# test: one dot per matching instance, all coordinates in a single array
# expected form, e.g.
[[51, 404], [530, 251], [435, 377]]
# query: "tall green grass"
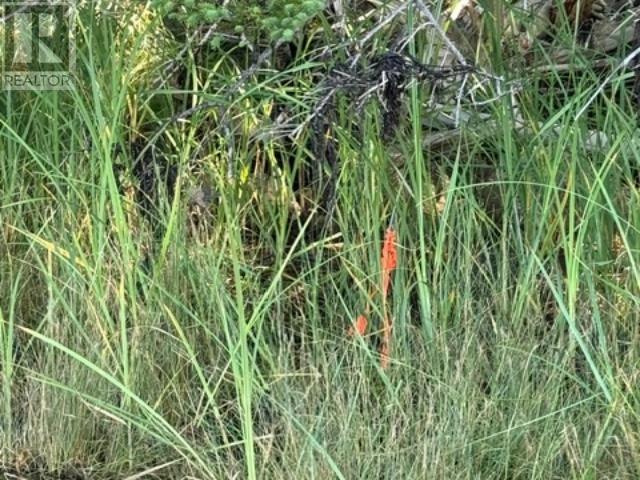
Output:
[[219, 350]]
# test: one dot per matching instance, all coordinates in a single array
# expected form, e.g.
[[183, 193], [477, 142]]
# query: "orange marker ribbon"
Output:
[[389, 262]]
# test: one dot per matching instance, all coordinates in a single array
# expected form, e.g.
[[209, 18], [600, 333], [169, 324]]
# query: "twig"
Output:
[[432, 20], [206, 105], [623, 64], [381, 24]]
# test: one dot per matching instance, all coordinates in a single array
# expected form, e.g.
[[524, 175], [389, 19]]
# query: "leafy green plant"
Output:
[[278, 20]]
